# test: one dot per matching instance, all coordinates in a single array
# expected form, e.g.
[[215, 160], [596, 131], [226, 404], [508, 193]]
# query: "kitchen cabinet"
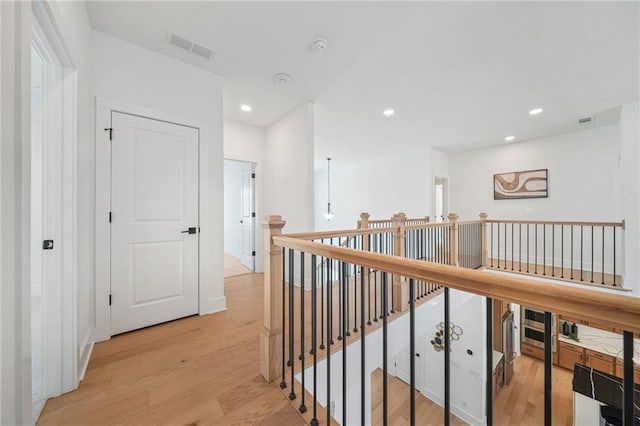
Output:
[[619, 372], [497, 377], [571, 320], [569, 355], [600, 325], [532, 351], [599, 361]]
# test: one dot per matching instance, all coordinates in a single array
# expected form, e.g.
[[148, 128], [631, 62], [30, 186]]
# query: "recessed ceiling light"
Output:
[[535, 111], [388, 112], [246, 108], [509, 138], [281, 78]]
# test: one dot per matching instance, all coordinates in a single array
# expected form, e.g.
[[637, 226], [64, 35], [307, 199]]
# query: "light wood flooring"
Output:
[[233, 266], [522, 401]]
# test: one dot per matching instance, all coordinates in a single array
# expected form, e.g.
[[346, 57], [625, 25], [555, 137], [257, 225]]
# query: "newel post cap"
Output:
[[273, 222], [483, 216], [453, 217]]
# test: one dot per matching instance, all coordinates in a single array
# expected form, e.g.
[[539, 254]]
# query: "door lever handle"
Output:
[[192, 230]]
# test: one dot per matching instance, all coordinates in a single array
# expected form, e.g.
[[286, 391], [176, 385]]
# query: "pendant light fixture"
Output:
[[328, 215]]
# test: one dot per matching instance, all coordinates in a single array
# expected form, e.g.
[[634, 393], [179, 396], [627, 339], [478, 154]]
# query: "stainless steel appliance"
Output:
[[508, 347], [533, 328]]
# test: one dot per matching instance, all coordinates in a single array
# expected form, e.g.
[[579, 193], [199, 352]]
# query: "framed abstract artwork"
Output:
[[515, 185]]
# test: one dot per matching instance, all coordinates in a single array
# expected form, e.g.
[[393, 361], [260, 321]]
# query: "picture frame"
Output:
[[521, 185]]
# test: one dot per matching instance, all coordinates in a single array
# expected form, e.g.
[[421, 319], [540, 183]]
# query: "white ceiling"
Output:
[[456, 73]]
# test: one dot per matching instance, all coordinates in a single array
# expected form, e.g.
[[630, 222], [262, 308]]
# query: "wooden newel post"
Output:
[[483, 220], [400, 287], [453, 235], [271, 333]]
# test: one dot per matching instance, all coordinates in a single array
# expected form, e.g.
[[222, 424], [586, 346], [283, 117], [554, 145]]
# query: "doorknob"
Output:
[[192, 230], [242, 221]]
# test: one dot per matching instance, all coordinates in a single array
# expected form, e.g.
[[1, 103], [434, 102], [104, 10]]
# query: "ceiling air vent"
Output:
[[586, 120], [188, 45]]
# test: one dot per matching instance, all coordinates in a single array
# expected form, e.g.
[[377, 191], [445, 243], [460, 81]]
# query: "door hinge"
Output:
[[109, 300], [110, 217], [253, 253], [253, 214], [253, 175], [110, 130]]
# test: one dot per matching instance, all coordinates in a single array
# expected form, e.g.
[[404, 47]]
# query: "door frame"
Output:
[[104, 108], [445, 197], [59, 301]]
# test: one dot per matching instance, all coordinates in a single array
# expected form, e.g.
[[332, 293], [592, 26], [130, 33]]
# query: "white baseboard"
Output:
[[85, 349], [215, 304], [455, 410]]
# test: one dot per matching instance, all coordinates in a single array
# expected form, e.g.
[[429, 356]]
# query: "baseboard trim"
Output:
[[215, 304], [86, 349], [455, 410]]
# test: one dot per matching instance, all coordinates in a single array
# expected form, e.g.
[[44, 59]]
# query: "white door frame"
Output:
[[60, 355], [445, 197], [104, 108]]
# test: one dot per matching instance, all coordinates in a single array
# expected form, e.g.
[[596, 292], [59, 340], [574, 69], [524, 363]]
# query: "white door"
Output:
[[154, 203], [403, 366], [247, 220]]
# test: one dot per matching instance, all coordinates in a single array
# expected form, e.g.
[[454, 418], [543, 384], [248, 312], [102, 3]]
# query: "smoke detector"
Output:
[[319, 45], [281, 78], [190, 46], [586, 120]]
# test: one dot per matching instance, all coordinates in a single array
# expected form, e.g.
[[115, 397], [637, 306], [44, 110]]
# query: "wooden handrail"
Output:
[[335, 234], [553, 222], [428, 225], [619, 311]]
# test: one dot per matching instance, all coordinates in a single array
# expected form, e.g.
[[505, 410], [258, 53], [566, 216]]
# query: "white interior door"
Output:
[[247, 220], [154, 224], [403, 366]]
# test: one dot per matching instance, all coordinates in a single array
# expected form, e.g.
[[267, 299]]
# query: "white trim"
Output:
[[455, 410], [206, 303], [85, 350]]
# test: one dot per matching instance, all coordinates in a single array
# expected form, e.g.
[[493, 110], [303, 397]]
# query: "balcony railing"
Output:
[[339, 304]]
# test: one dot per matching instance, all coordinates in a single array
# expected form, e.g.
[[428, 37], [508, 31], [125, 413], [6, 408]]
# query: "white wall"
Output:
[[583, 177], [15, 356], [288, 169], [129, 74], [244, 142], [233, 172], [383, 186], [630, 157]]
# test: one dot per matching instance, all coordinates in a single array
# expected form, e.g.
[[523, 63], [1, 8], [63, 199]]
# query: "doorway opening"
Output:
[[239, 217], [440, 201]]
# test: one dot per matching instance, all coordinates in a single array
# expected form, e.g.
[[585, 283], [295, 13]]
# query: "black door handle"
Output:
[[192, 230]]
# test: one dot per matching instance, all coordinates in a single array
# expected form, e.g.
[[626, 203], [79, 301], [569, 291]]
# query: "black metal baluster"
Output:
[[323, 264], [412, 351], [520, 247], [447, 359], [375, 296], [498, 239], [283, 383], [355, 299], [491, 245], [571, 252], [544, 249], [347, 283], [340, 298], [369, 287], [602, 280], [506, 247], [561, 251], [535, 225], [489, 365], [345, 330], [614, 256], [314, 337], [592, 244], [385, 391], [292, 394], [528, 258], [553, 249], [329, 303], [627, 379], [329, 343], [548, 365], [581, 250], [512, 241], [362, 351], [303, 407]]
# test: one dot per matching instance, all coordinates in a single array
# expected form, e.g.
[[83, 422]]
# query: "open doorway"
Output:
[[440, 201], [239, 217]]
